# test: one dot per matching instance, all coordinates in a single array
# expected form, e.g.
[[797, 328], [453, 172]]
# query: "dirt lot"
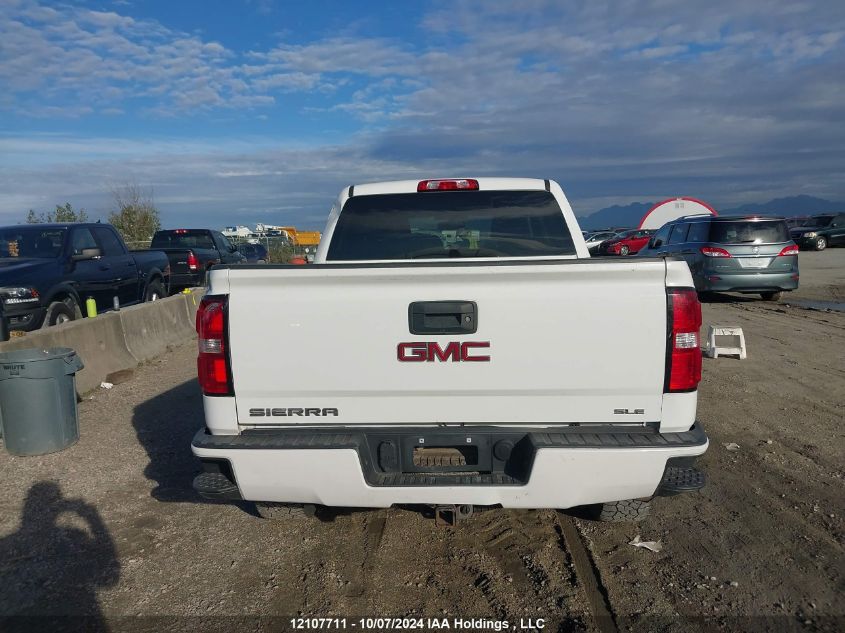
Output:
[[110, 529]]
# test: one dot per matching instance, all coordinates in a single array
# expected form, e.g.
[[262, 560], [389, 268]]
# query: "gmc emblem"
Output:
[[429, 352]]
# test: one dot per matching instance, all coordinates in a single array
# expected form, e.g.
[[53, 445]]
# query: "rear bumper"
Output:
[[514, 468], [749, 282]]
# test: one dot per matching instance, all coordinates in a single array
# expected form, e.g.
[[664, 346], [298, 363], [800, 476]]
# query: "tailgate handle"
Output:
[[443, 317]]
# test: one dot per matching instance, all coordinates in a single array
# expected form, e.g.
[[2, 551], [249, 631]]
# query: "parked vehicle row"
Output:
[[815, 232], [745, 254], [731, 253], [49, 271]]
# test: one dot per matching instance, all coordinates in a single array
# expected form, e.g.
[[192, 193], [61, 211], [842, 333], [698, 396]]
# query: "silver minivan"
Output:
[[731, 253]]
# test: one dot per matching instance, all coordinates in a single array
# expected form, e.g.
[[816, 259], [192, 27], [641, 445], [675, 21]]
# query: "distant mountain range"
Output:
[[631, 214]]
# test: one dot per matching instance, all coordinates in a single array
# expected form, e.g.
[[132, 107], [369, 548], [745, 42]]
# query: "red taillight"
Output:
[[212, 363], [193, 264], [448, 185], [298, 261], [712, 251], [789, 250], [683, 369]]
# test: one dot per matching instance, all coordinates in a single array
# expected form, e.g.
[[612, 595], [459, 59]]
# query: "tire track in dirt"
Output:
[[374, 526], [587, 573], [338, 563], [519, 570]]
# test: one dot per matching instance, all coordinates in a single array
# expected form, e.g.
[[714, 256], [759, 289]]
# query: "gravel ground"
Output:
[[110, 529], [762, 545]]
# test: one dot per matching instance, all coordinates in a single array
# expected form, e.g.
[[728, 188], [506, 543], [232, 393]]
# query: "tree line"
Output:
[[134, 214]]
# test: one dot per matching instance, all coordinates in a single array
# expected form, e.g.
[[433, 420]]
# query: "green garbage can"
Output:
[[38, 400]]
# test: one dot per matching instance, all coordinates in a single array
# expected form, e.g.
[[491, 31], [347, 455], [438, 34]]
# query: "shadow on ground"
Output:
[[165, 426], [719, 297], [52, 567]]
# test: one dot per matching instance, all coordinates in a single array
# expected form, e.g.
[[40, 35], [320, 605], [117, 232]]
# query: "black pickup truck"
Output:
[[192, 252], [48, 271]]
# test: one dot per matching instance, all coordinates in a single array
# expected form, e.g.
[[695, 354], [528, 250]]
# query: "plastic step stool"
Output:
[[713, 351]]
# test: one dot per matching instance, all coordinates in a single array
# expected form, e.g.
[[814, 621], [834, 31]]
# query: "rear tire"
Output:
[[59, 312], [772, 296], [622, 511], [624, 250], [821, 243], [280, 511], [155, 291]]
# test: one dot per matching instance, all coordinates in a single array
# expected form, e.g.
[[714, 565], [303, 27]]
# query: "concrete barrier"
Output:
[[114, 341], [99, 342], [192, 302], [149, 328]]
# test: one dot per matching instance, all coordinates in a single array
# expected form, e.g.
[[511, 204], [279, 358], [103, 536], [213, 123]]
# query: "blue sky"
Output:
[[240, 112]]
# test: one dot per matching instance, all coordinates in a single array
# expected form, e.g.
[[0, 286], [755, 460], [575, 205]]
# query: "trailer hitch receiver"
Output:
[[450, 515]]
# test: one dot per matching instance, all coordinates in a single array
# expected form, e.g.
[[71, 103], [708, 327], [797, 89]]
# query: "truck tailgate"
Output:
[[178, 259], [569, 342]]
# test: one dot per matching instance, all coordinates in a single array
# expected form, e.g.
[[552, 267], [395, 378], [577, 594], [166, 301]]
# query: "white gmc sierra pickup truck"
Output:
[[453, 345]]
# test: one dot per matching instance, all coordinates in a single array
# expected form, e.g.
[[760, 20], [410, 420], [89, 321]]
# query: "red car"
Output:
[[629, 243]]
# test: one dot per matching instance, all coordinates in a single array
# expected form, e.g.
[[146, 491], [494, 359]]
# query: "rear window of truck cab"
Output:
[[450, 224], [182, 239], [27, 241]]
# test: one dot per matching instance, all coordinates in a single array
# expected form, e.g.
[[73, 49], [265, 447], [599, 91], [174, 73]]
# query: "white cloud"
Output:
[[67, 55], [373, 57], [287, 81], [656, 52]]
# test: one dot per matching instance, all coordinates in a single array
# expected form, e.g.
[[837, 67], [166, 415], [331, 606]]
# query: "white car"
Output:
[[450, 345]]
